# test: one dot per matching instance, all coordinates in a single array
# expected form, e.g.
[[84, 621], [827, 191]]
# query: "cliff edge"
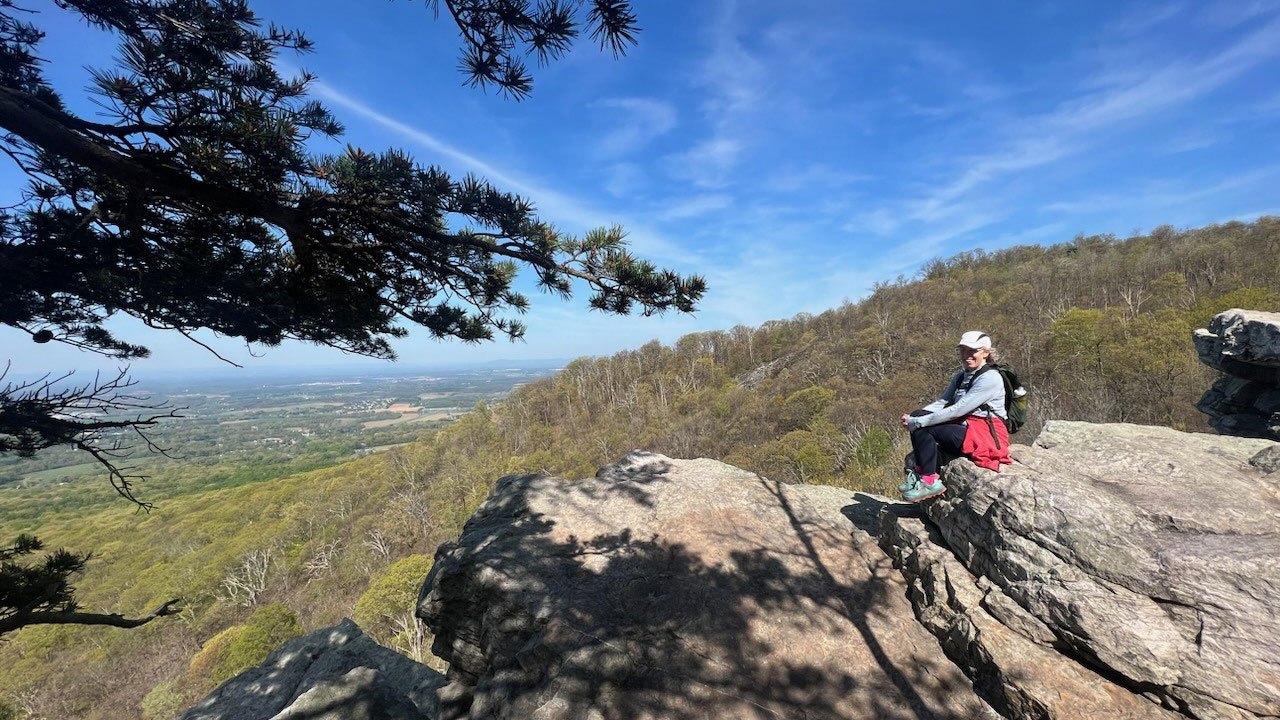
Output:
[[1113, 571]]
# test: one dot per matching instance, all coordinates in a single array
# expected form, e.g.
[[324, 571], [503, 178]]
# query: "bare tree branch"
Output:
[[82, 618]]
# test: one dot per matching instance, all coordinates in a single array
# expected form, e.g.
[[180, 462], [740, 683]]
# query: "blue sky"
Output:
[[794, 153]]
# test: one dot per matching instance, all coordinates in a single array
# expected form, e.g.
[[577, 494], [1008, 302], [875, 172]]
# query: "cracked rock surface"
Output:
[[1143, 554], [1113, 571], [1011, 655], [669, 588]]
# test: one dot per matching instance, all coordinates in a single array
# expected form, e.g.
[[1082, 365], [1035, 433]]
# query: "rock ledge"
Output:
[[1142, 555]]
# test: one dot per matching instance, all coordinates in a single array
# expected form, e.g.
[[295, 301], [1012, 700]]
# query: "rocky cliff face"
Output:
[[1141, 555], [1245, 346], [1113, 571]]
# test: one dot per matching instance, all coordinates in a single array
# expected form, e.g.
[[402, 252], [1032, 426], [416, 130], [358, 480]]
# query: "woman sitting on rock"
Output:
[[968, 419]]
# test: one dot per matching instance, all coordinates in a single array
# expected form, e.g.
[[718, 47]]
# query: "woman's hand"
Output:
[[904, 418]]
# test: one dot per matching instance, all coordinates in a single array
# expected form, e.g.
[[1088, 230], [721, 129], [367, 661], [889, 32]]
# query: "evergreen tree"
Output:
[[196, 204]]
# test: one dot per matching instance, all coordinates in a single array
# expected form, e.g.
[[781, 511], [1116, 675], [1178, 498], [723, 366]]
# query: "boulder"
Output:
[[1142, 555], [669, 588], [1245, 345], [1249, 337], [336, 673], [1230, 396]]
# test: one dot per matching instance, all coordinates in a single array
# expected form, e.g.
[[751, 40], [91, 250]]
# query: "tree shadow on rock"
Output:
[[543, 611]]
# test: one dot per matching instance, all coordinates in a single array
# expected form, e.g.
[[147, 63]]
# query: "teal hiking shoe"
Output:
[[924, 491], [913, 478]]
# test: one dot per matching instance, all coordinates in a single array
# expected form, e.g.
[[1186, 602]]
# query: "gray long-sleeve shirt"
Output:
[[988, 389]]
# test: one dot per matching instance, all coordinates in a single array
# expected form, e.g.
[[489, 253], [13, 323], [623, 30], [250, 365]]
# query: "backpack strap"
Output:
[[991, 425], [985, 367], [969, 385]]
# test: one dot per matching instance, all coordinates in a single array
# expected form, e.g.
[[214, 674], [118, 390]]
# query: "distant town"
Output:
[[325, 415]]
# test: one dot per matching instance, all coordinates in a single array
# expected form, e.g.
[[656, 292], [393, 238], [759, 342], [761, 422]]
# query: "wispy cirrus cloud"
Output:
[[623, 179], [709, 164], [1168, 193], [696, 206], [1232, 14], [1110, 102], [734, 82], [636, 122], [1144, 18], [814, 176], [556, 206]]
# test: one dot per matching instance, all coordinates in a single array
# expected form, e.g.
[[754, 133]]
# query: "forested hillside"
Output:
[[1098, 327]]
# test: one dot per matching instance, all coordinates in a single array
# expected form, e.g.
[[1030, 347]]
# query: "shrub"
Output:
[[240, 647], [391, 595], [801, 407], [205, 664], [266, 628]]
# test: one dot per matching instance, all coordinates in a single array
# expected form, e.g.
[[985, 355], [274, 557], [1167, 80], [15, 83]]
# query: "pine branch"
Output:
[[21, 620]]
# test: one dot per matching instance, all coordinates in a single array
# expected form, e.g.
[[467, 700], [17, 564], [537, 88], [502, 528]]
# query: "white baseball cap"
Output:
[[975, 340]]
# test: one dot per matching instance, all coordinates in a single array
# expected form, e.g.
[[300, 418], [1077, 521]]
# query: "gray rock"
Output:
[[681, 589], [1148, 553], [1246, 424], [1244, 344], [1268, 402], [1230, 395], [1009, 653], [1249, 337], [335, 673], [1267, 460], [361, 694], [769, 370]]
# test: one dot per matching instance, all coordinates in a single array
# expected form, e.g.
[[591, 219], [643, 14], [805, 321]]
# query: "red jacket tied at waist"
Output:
[[979, 445]]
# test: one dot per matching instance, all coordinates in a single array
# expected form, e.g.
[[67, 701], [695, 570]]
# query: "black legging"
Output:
[[927, 441]]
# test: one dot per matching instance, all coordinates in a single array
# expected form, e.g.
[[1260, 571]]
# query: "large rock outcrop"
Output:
[[1139, 554], [1113, 571], [680, 589], [1245, 345], [336, 673]]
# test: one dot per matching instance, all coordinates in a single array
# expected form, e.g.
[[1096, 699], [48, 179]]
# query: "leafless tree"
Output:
[[342, 507], [410, 636], [320, 562], [379, 544], [1134, 297], [248, 580], [846, 450]]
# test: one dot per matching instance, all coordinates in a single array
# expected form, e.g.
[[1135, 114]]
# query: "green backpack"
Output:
[[1015, 398]]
